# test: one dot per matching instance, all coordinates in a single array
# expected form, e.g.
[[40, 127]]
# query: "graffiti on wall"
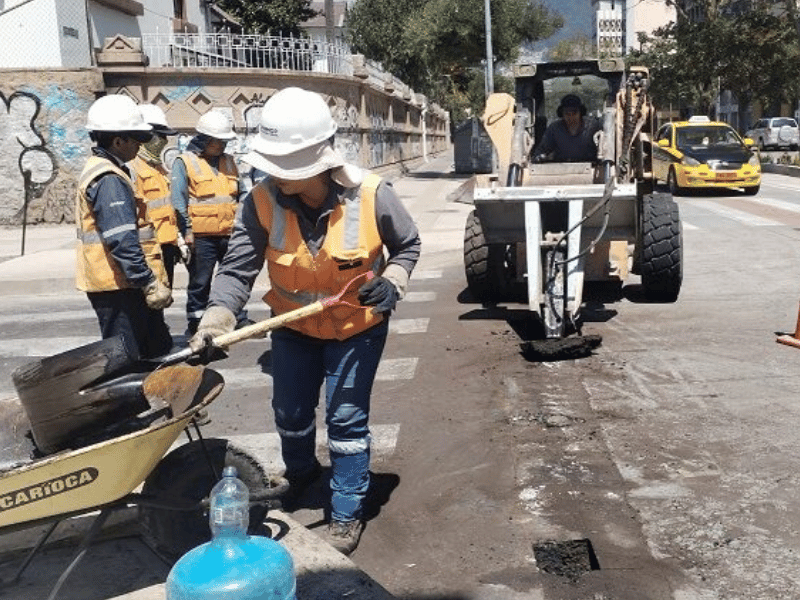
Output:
[[27, 166]]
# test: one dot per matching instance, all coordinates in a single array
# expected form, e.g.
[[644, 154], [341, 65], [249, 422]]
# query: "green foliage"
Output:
[[752, 54], [437, 46], [576, 48], [274, 16]]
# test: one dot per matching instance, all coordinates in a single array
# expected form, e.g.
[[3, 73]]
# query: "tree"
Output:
[[437, 46], [752, 54], [575, 48], [275, 16]]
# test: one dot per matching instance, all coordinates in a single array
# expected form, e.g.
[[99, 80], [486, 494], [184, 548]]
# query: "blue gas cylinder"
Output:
[[233, 565]]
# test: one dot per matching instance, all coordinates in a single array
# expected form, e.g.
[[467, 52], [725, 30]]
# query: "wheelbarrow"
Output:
[[104, 474]]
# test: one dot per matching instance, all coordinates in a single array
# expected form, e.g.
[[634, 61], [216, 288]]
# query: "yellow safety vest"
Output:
[[152, 187], [352, 247], [96, 270], [212, 195]]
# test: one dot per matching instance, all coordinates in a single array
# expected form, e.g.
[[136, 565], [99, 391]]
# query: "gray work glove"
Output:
[[157, 295], [216, 321], [379, 293]]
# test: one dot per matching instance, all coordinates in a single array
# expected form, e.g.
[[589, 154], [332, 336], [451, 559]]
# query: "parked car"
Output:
[[775, 132], [700, 153]]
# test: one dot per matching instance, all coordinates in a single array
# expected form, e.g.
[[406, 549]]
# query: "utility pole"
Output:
[[489, 60]]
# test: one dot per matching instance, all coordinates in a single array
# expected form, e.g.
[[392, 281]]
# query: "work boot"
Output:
[[344, 535], [299, 482], [191, 327]]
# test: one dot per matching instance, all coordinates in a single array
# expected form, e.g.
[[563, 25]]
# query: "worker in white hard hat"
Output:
[[119, 263], [151, 186], [205, 194], [318, 223]]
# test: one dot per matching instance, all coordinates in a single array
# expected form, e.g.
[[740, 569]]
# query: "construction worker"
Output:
[[205, 192], [571, 137], [119, 263], [318, 223], [152, 187]]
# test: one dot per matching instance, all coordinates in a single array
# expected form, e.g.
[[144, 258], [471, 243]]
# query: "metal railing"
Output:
[[251, 51]]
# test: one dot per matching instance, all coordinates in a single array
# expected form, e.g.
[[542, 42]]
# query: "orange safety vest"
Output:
[[352, 247], [152, 187], [96, 270], [212, 195]]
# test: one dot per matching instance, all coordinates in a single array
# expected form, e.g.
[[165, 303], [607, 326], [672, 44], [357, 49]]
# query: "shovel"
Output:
[[92, 385]]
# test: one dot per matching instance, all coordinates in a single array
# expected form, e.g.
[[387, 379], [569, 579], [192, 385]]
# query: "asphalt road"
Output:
[[664, 466]]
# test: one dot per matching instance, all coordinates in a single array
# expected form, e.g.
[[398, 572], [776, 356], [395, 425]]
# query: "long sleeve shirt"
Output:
[[565, 147], [114, 207], [247, 246]]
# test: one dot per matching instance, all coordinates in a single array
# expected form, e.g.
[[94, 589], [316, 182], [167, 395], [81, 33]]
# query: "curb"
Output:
[[789, 170]]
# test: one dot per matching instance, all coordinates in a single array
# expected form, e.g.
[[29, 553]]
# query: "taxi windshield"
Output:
[[706, 136]]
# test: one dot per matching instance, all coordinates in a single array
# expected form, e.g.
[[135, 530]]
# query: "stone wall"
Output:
[[42, 118], [44, 112]]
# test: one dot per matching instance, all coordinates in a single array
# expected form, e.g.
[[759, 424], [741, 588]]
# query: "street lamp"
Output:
[[489, 59]]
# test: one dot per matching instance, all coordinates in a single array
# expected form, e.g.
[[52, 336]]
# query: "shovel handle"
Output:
[[260, 328]]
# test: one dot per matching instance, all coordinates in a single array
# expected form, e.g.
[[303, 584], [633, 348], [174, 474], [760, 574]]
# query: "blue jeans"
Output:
[[207, 252], [124, 312], [300, 365]]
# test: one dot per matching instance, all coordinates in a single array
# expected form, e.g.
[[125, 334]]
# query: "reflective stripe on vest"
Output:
[[212, 196], [352, 247], [152, 186], [96, 270]]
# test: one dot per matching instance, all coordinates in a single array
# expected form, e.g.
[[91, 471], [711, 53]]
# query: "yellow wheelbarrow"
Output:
[[97, 436], [104, 476]]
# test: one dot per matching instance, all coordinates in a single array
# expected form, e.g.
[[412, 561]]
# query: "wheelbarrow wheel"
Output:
[[184, 478]]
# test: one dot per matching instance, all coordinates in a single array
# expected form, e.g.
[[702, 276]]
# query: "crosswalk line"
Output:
[[266, 448], [389, 369], [775, 203], [736, 215], [30, 347], [429, 274], [407, 326], [420, 297]]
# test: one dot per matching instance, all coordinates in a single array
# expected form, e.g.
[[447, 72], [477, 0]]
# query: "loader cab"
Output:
[[540, 88]]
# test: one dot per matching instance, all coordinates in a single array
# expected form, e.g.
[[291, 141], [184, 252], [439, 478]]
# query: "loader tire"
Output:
[[485, 265], [661, 266], [184, 477]]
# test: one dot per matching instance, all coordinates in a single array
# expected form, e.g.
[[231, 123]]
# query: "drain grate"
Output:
[[571, 558]]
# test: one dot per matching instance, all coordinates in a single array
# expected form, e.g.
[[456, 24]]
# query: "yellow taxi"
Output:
[[700, 153]]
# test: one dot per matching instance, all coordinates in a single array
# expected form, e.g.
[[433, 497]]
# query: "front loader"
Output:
[[547, 231]]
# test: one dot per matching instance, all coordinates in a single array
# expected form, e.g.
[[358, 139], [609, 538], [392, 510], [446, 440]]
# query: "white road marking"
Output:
[[406, 326], [420, 297], [266, 447], [432, 274], [389, 369], [10, 348], [394, 369], [775, 203], [736, 215]]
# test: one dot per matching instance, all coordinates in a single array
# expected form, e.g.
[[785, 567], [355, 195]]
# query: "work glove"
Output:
[[157, 295], [217, 320], [189, 239], [379, 293], [185, 250]]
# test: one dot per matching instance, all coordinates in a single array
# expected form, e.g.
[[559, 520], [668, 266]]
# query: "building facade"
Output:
[[618, 23]]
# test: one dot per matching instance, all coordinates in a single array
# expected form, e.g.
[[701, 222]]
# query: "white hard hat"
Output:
[[153, 115], [115, 112], [216, 124], [292, 120]]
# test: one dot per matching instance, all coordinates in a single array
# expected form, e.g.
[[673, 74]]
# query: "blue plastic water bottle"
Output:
[[233, 565]]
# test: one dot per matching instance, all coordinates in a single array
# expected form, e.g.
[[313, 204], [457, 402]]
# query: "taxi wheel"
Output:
[[672, 183], [752, 191]]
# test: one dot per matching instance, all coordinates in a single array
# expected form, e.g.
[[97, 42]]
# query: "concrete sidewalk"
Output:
[[48, 267]]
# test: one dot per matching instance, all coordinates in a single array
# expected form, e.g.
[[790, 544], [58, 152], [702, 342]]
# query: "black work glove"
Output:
[[380, 293]]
